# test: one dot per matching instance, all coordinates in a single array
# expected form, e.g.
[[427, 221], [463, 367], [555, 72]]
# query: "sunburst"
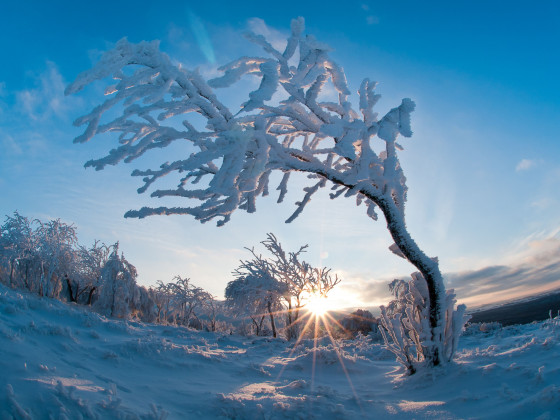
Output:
[[317, 305]]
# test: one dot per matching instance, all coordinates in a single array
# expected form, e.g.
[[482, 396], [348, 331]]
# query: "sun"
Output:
[[317, 305]]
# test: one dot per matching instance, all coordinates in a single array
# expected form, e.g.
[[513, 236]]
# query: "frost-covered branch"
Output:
[[237, 153]]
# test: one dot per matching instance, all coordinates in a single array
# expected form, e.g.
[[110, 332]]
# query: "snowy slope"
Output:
[[63, 361]]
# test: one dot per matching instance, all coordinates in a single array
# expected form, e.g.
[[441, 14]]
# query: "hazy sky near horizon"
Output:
[[483, 165]]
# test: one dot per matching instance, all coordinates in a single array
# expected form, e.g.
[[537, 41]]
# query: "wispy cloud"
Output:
[[276, 38], [371, 19], [359, 290], [9, 145], [532, 270], [524, 165], [177, 38], [3, 94], [47, 99]]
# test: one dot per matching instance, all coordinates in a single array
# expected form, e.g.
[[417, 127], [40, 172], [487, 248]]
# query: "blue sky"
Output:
[[483, 166]]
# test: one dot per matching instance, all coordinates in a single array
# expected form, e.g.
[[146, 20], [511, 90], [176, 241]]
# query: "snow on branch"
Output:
[[236, 151]]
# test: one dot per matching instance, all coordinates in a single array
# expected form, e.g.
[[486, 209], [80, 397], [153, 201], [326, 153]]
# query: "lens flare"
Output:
[[317, 305]]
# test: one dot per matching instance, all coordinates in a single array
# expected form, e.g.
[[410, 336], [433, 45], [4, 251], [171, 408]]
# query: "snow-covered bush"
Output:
[[257, 296], [144, 306], [37, 255], [405, 324], [86, 276], [55, 245], [180, 302], [118, 290], [18, 252], [161, 295]]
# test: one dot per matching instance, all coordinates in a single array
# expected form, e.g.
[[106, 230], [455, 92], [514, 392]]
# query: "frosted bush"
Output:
[[405, 324]]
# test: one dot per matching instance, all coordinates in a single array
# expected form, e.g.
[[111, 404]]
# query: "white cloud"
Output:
[[543, 203], [370, 19], [177, 38], [275, 37], [9, 145], [3, 94], [47, 99], [532, 270], [524, 165]]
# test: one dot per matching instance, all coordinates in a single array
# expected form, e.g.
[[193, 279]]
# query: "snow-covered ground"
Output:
[[64, 362]]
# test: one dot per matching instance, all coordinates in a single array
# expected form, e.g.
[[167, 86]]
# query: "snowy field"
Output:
[[62, 361]]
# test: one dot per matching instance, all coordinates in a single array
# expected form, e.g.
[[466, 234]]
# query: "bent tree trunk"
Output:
[[428, 267]]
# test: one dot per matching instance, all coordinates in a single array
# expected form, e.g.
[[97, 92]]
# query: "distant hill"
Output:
[[524, 311]]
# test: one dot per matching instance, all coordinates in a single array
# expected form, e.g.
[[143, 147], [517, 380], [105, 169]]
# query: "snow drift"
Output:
[[63, 361]]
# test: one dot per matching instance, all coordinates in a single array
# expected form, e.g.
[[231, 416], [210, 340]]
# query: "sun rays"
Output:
[[316, 322], [317, 306]]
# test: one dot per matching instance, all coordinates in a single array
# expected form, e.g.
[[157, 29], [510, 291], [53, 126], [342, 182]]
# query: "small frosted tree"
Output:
[[298, 280], [37, 255], [232, 158], [162, 295], [19, 250], [210, 310], [256, 294], [56, 241], [405, 328], [118, 290], [86, 278], [186, 299]]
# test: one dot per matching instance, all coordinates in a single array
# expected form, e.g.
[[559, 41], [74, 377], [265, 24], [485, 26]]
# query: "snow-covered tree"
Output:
[[233, 157], [255, 294], [186, 299], [301, 279], [118, 290], [282, 279], [162, 295], [37, 255], [55, 245], [181, 302], [209, 311], [19, 251], [86, 278]]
